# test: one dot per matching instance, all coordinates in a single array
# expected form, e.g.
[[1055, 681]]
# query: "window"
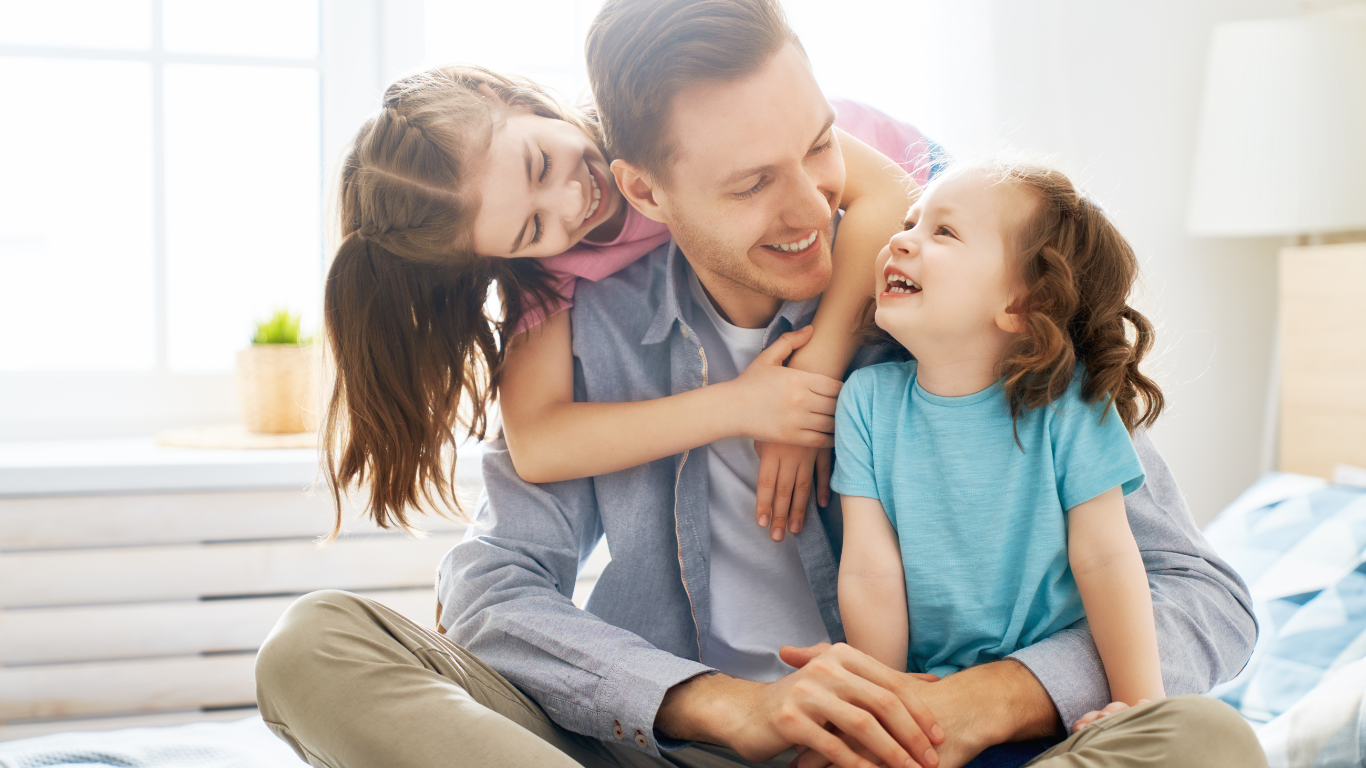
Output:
[[164, 189]]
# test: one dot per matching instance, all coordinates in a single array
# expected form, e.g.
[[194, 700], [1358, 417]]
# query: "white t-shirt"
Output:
[[760, 597]]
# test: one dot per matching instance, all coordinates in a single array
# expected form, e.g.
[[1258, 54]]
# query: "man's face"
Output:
[[757, 175]]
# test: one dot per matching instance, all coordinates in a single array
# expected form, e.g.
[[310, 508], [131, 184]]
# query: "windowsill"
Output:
[[122, 465]]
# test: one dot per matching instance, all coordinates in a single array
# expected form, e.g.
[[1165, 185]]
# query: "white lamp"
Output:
[[1282, 151], [1282, 142]]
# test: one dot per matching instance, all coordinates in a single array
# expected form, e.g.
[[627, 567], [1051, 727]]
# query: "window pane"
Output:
[[283, 28], [77, 23], [243, 185], [76, 216], [517, 35]]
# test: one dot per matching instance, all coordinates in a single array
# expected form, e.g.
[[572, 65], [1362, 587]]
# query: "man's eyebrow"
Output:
[[526, 158], [747, 172]]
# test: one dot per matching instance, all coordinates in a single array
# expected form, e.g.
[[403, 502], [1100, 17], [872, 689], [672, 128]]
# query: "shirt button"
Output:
[[640, 740], [616, 730], [686, 332]]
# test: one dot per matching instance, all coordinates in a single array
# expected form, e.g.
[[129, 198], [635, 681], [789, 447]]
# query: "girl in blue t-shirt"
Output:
[[984, 480]]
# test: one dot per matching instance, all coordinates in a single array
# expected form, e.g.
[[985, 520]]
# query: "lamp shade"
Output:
[[1282, 138]]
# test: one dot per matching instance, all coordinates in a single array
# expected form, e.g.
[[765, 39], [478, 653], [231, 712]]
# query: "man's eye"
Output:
[[754, 190], [545, 165]]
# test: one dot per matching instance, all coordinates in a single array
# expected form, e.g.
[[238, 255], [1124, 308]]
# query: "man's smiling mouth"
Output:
[[796, 247]]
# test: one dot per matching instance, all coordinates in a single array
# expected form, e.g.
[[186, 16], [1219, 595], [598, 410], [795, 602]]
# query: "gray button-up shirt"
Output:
[[602, 672]]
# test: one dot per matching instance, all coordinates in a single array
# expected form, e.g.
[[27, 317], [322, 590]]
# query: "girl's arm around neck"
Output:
[[1115, 593], [872, 584], [552, 438], [877, 194]]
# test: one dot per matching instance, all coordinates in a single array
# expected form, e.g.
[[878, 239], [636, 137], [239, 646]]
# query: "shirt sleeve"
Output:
[[505, 597], [1092, 452], [853, 475], [1202, 608]]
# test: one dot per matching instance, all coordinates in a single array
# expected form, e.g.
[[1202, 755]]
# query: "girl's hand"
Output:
[[785, 473], [1112, 708], [774, 404]]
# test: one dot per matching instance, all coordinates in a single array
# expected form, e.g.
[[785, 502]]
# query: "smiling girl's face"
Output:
[[949, 278], [543, 186]]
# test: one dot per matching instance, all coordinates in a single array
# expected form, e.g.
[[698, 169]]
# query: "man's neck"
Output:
[[738, 305]]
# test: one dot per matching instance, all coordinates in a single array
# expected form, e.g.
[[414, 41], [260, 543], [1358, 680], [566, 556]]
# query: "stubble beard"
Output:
[[705, 251]]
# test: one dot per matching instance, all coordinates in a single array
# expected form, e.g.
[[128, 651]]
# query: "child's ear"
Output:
[[640, 190], [1011, 319]]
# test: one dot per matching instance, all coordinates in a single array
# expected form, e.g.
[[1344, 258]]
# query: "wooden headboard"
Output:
[[1323, 358]]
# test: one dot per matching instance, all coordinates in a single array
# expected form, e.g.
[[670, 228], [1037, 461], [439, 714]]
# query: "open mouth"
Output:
[[597, 195], [798, 246], [899, 284]]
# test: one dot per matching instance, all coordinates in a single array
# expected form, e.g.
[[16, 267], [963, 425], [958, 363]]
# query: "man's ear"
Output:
[[640, 190]]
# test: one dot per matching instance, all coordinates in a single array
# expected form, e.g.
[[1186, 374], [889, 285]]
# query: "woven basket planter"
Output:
[[275, 388]]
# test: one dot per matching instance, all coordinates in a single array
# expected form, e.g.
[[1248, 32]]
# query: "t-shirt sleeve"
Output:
[[1092, 452], [853, 475]]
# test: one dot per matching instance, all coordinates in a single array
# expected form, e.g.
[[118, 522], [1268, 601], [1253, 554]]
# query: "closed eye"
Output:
[[536, 238], [545, 166], [754, 190]]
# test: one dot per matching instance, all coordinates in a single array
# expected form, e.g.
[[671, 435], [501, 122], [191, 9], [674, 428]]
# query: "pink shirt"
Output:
[[593, 261]]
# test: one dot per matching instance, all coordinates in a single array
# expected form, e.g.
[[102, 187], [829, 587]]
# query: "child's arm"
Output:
[[877, 193], [1115, 593], [551, 437], [872, 585]]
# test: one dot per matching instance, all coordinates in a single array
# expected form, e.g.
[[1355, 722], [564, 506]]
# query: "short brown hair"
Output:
[[641, 53]]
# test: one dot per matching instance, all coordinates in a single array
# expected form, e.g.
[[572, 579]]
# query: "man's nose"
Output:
[[810, 202]]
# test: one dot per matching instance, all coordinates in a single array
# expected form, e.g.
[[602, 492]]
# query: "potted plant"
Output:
[[275, 379]]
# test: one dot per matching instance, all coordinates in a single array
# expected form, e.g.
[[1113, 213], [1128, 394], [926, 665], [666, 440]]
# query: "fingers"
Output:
[[768, 479], [782, 499], [867, 728], [801, 492], [795, 656], [823, 477], [873, 679], [1094, 715], [783, 347]]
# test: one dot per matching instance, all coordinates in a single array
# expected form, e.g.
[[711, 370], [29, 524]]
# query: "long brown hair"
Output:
[[415, 352], [1077, 271]]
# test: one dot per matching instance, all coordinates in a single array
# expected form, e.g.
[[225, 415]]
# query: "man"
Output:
[[717, 124]]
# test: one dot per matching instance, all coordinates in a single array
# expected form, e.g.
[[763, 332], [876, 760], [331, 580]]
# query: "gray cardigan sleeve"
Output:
[[1205, 627]]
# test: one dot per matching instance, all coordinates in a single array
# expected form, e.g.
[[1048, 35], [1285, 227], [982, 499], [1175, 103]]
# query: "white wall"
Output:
[[1114, 90]]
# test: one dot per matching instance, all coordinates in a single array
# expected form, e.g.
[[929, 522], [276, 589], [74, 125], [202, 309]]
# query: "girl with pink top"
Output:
[[468, 179]]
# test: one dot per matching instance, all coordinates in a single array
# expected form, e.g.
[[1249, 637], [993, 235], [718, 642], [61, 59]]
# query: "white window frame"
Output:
[[363, 45]]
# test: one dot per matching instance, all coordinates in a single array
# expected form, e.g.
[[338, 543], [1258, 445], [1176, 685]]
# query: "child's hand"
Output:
[[775, 404], [1094, 715], [785, 473]]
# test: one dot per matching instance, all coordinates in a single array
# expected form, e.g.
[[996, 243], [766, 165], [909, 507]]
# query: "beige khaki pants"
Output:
[[349, 683]]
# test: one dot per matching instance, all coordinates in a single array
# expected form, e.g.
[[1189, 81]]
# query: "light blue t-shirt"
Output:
[[981, 523]]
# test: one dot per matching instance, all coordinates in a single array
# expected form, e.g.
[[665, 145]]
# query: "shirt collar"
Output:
[[669, 311]]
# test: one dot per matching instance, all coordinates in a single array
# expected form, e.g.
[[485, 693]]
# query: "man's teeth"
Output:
[[800, 245], [597, 197], [901, 284]]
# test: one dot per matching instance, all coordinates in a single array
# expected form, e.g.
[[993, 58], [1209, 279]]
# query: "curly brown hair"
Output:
[[1077, 271], [416, 353]]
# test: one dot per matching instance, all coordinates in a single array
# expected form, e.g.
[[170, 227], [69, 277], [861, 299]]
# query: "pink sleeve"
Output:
[[533, 315], [638, 237], [902, 142]]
